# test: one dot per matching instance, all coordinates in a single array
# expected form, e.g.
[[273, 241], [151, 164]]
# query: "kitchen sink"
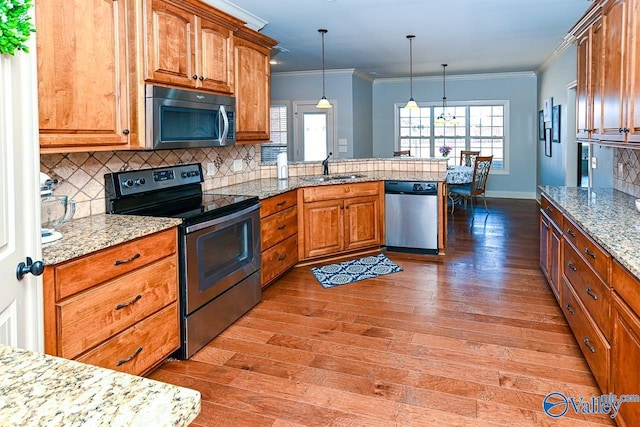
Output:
[[323, 178]]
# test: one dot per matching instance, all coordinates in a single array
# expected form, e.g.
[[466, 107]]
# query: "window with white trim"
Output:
[[478, 125]]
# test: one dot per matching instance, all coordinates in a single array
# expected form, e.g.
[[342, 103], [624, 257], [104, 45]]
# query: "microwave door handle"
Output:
[[223, 113]]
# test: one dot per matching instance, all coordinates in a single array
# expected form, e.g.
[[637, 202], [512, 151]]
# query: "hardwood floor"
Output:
[[471, 338]]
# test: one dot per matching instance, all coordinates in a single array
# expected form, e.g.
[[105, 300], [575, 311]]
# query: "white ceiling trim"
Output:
[[252, 21]]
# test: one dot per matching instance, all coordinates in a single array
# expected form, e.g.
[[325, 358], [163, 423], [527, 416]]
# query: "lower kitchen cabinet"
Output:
[[116, 308], [278, 235], [340, 218], [550, 236]]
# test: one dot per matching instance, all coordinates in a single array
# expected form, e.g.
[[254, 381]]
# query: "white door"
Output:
[[21, 323], [313, 136]]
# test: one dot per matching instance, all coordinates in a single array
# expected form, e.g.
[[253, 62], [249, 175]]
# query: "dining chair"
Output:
[[470, 191], [467, 157], [402, 153]]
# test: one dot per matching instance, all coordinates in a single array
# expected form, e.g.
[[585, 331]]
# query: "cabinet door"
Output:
[[545, 239], [214, 48], [584, 104], [362, 222], [596, 61], [82, 75], [624, 360], [554, 262], [252, 91], [170, 45], [633, 72], [323, 228], [613, 78]]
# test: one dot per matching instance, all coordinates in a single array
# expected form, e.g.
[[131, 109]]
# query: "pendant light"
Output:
[[444, 117], [323, 103], [411, 104]]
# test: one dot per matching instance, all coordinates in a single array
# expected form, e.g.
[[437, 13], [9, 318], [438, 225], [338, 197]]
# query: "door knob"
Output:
[[35, 268]]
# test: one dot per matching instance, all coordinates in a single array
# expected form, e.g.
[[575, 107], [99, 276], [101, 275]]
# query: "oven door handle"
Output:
[[223, 114], [225, 218]]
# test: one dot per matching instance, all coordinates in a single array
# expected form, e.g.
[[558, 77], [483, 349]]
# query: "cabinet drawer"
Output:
[[597, 257], [592, 291], [278, 227], [82, 273], [593, 344], [340, 191], [551, 211], [95, 315], [279, 258], [277, 203], [140, 347], [626, 285]]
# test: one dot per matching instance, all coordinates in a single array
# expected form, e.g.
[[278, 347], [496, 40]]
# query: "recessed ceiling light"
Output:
[[273, 62]]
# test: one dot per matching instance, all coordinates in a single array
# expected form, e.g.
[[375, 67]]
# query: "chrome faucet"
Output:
[[325, 164]]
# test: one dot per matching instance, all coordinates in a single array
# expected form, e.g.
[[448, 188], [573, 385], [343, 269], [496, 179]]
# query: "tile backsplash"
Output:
[[629, 180], [81, 175]]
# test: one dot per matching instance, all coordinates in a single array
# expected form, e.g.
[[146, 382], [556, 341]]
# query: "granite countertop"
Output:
[[264, 188], [85, 235], [41, 390], [609, 216]]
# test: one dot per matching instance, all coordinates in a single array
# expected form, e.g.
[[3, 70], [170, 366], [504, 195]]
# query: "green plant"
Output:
[[15, 25]]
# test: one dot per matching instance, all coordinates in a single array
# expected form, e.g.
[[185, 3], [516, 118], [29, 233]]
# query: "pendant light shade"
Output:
[[323, 103], [411, 103], [444, 117]]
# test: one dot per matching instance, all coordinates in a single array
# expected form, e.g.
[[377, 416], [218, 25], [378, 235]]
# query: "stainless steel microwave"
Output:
[[178, 118]]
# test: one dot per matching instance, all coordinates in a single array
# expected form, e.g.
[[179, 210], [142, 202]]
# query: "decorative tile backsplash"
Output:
[[629, 181], [81, 175]]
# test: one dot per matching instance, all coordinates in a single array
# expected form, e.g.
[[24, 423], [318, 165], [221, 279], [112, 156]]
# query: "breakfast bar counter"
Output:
[[41, 390]]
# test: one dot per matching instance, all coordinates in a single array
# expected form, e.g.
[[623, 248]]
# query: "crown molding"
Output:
[[252, 21], [341, 72], [458, 77]]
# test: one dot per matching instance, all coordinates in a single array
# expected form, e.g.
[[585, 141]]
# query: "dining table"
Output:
[[459, 174]]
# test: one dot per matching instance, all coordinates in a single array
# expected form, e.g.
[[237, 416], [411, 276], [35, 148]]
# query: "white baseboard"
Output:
[[512, 194]]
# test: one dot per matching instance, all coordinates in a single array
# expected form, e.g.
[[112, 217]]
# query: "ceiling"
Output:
[[472, 36]]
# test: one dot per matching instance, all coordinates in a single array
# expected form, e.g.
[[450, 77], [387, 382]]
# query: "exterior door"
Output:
[[313, 137], [21, 321]]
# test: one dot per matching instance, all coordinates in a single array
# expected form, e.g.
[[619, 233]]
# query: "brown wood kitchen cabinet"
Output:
[[116, 308], [589, 87], [340, 218], [189, 44], [278, 235], [83, 90], [550, 237], [253, 85]]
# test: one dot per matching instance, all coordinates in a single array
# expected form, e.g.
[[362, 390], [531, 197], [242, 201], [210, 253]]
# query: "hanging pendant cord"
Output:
[[410, 37]]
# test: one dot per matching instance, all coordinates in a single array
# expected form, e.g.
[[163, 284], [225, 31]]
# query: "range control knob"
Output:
[[128, 183], [184, 174], [141, 181]]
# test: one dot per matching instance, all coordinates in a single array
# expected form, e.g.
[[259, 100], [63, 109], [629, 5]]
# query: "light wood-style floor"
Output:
[[472, 338]]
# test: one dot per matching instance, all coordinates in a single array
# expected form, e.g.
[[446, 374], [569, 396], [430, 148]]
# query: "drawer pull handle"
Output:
[[570, 309], [571, 266], [127, 304], [130, 358], [591, 293], [282, 227], [282, 257], [570, 231], [124, 261], [588, 252], [588, 344], [282, 203], [548, 209]]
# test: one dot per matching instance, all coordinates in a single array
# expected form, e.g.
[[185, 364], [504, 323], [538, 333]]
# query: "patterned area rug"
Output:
[[355, 270]]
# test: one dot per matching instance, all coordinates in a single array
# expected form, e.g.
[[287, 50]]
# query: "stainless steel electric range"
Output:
[[219, 245]]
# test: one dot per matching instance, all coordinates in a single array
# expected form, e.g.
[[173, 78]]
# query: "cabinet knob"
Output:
[[126, 131], [623, 130], [201, 78], [195, 77]]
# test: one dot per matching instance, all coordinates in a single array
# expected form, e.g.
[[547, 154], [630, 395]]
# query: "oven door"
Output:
[[218, 254]]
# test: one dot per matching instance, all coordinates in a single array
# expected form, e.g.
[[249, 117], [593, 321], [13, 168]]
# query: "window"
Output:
[[278, 132], [477, 126]]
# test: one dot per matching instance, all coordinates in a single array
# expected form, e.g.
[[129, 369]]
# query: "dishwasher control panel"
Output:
[[411, 187]]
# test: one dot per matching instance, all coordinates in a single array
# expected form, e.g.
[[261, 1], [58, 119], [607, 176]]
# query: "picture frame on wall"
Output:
[[555, 123], [548, 105], [547, 142], [541, 125]]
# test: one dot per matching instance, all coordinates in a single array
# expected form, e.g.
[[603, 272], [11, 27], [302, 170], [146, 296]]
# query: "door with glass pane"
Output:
[[313, 136]]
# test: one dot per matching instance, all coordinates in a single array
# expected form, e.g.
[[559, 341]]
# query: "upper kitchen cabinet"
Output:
[[252, 71], [82, 75], [189, 44], [588, 93]]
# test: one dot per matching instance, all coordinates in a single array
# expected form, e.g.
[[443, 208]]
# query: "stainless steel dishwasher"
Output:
[[411, 216]]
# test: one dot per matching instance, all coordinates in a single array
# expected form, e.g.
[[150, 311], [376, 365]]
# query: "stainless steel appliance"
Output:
[[178, 118], [219, 245], [411, 216]]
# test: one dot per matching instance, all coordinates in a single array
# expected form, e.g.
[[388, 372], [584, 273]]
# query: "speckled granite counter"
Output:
[[608, 216], [264, 188], [41, 390], [85, 235]]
